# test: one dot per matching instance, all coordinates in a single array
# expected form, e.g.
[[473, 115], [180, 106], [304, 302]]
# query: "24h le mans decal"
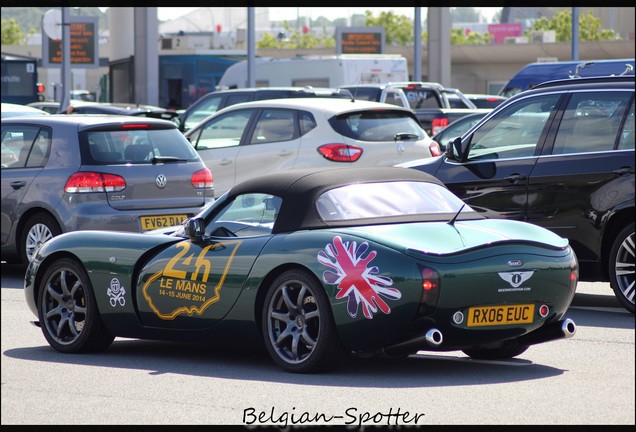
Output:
[[355, 279], [190, 282]]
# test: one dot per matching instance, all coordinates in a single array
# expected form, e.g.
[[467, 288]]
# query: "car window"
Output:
[[247, 215], [233, 99], [422, 98], [307, 122], [25, 146], [514, 131], [274, 125], [369, 200], [591, 122], [203, 109], [393, 98], [377, 125], [223, 131], [135, 146]]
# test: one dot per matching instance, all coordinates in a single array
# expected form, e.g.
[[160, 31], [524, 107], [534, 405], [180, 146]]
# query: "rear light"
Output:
[[135, 126], [202, 179], [435, 148], [84, 181], [574, 276], [438, 125], [340, 152], [430, 290], [544, 310]]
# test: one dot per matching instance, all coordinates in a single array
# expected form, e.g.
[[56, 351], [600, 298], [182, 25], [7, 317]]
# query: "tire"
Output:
[[298, 325], [506, 351], [67, 310], [621, 267], [39, 228]]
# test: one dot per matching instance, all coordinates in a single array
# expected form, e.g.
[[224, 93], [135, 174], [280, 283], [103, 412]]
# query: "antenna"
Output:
[[452, 221]]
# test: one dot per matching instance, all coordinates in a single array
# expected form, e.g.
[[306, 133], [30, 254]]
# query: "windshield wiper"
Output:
[[164, 159], [400, 136]]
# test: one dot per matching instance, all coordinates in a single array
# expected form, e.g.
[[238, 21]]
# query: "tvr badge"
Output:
[[515, 279]]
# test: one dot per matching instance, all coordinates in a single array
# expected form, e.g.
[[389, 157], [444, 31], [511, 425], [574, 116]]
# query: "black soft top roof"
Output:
[[299, 189]]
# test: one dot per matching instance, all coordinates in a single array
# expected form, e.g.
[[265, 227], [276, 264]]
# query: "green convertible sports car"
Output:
[[314, 266]]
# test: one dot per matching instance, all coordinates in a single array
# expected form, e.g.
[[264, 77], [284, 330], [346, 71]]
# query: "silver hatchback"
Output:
[[94, 172]]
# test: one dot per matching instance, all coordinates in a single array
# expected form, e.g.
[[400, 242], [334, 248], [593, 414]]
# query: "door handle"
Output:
[[285, 153], [516, 178], [18, 184], [225, 161]]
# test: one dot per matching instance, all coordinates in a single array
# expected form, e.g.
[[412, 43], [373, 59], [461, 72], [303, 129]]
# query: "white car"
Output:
[[18, 110], [254, 138]]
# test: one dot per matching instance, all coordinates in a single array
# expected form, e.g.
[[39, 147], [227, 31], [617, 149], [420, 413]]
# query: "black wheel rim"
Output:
[[293, 318], [624, 268], [64, 307]]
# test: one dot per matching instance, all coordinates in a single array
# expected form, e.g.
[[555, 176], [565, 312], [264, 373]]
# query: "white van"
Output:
[[318, 71]]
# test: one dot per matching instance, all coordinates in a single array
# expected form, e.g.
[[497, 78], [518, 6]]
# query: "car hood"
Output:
[[440, 238]]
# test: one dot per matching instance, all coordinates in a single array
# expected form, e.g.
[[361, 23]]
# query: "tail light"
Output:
[[574, 276], [340, 152], [202, 179], [85, 181], [438, 124], [430, 290], [435, 149]]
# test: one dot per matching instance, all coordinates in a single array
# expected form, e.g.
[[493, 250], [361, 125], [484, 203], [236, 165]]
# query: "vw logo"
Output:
[[161, 181]]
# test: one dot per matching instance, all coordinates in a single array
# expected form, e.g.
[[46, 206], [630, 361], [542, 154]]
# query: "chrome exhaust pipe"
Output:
[[568, 328], [434, 337], [557, 330]]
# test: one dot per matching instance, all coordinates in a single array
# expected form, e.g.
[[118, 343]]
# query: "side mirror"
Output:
[[195, 228], [454, 149]]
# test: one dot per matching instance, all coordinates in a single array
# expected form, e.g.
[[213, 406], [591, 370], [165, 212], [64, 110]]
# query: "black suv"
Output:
[[212, 102], [561, 156]]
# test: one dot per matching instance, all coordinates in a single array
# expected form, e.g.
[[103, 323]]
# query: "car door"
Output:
[[500, 155], [29, 147], [587, 170], [270, 146], [218, 142], [193, 284]]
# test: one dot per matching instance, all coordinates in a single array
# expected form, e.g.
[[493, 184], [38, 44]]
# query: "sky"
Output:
[[331, 13]]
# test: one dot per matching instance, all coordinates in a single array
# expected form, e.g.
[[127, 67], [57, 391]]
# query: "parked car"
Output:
[[217, 100], [87, 107], [479, 100], [16, 110], [386, 93], [95, 172], [560, 156], [314, 264], [252, 138], [457, 128]]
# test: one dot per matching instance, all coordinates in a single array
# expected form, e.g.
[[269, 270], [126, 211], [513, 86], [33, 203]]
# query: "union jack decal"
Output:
[[355, 279]]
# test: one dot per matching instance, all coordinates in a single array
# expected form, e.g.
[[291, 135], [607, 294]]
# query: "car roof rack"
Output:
[[596, 79]]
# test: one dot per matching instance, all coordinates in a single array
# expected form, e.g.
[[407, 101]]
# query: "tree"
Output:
[[12, 33], [561, 23], [296, 38], [460, 36], [398, 29]]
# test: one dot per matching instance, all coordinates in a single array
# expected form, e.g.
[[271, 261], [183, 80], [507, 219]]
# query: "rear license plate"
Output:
[[500, 315], [154, 222]]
